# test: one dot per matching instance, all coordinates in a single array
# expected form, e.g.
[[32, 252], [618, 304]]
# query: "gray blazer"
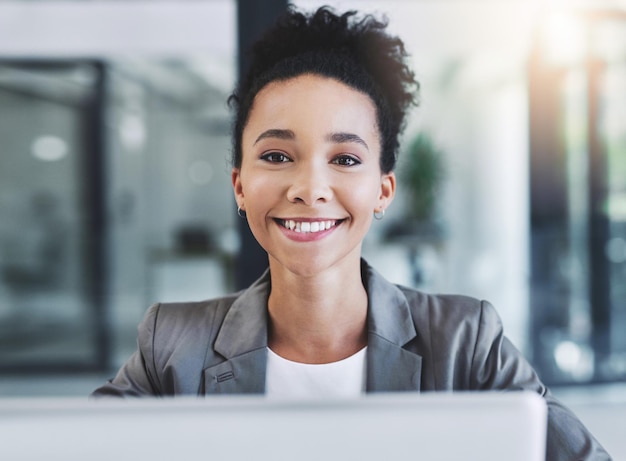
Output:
[[416, 342]]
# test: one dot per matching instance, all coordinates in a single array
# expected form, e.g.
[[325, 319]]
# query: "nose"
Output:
[[310, 185]]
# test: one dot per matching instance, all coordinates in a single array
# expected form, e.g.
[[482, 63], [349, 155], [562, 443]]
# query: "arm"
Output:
[[497, 364], [137, 377]]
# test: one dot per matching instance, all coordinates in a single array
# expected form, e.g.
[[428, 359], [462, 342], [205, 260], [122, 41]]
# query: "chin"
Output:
[[307, 266]]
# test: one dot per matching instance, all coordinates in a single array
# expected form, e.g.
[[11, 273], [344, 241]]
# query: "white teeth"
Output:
[[307, 226]]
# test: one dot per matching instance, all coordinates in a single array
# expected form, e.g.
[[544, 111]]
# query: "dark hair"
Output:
[[356, 52]]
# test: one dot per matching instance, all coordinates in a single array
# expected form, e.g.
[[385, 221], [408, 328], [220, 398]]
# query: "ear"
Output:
[[387, 190], [235, 177]]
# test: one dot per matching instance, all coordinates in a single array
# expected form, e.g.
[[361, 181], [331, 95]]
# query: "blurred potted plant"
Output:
[[420, 173]]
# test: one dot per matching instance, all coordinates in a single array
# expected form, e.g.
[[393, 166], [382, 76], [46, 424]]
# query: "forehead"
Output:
[[312, 102]]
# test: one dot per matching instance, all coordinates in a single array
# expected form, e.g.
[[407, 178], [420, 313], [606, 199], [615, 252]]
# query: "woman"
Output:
[[315, 141]]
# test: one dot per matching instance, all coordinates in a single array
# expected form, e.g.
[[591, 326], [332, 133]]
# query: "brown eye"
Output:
[[275, 157], [346, 160]]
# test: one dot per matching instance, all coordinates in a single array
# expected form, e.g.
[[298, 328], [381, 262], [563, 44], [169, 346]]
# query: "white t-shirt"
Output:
[[293, 380]]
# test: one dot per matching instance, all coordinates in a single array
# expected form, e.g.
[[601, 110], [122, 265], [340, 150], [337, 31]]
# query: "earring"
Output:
[[241, 213], [379, 214]]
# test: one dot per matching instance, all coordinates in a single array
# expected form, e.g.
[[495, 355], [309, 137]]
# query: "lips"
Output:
[[308, 226]]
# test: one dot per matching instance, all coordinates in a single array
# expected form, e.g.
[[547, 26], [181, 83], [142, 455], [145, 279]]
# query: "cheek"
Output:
[[364, 195], [259, 191], [260, 186]]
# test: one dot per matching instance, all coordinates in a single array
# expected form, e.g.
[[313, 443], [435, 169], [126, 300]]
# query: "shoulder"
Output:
[[188, 321], [428, 311], [180, 316], [462, 342], [178, 336], [452, 302], [193, 310], [449, 308], [449, 323]]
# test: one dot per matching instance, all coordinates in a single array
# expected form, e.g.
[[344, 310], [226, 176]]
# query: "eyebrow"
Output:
[[276, 133], [338, 138], [343, 137]]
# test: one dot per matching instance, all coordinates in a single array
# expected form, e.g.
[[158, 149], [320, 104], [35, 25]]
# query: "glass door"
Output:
[[578, 198], [51, 263]]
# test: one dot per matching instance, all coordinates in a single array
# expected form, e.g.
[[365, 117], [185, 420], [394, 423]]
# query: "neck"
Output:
[[320, 318]]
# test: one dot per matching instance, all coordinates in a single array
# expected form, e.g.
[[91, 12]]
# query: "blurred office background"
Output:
[[115, 177]]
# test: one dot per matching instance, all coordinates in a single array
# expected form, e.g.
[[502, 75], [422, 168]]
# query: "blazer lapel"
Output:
[[242, 341], [244, 374], [390, 367]]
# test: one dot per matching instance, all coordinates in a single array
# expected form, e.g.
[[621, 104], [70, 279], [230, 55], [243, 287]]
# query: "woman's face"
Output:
[[310, 175]]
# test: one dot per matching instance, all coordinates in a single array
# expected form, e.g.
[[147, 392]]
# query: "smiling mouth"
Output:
[[308, 227]]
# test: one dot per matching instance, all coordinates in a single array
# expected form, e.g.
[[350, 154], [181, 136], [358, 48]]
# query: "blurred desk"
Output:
[[602, 409], [177, 276]]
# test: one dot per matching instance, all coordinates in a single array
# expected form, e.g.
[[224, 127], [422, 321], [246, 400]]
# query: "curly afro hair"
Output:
[[355, 51]]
